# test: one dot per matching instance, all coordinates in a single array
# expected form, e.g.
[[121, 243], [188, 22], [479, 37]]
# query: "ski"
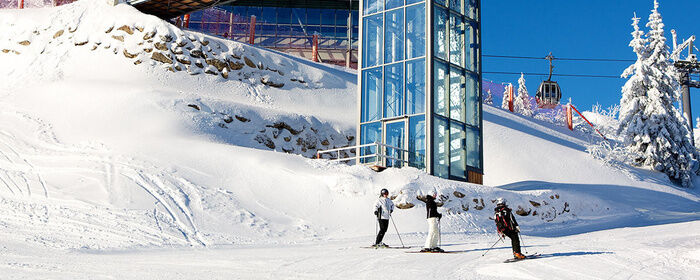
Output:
[[533, 256], [387, 247], [428, 252]]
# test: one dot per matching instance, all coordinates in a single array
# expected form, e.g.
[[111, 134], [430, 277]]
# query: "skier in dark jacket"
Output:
[[383, 209], [433, 219], [507, 226]]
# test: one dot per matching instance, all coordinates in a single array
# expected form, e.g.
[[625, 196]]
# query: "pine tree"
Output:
[[652, 127], [504, 102], [522, 103], [489, 98]]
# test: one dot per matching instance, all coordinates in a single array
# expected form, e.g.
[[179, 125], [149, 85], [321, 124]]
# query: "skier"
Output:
[[433, 219], [507, 226], [383, 209]]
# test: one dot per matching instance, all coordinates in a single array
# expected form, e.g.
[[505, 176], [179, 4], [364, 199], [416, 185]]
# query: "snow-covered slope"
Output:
[[100, 152]]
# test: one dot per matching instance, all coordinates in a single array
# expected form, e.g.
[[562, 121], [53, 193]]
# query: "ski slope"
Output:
[[112, 168]]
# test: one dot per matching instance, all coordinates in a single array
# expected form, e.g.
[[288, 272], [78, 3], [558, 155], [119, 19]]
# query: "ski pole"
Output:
[[397, 231], [494, 244], [439, 234], [521, 242]]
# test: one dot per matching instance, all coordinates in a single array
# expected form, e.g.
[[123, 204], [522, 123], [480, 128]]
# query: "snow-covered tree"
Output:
[[489, 98], [522, 103], [651, 126], [504, 103]]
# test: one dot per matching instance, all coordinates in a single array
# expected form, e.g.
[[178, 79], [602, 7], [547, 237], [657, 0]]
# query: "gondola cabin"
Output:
[[548, 95]]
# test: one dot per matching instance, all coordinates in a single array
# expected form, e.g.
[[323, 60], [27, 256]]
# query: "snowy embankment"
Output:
[[106, 145]]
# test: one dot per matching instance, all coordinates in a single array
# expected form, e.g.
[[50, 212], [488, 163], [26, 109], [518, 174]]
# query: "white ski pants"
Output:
[[433, 234]]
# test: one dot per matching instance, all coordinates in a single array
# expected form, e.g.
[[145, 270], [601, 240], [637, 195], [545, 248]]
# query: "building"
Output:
[[420, 86]]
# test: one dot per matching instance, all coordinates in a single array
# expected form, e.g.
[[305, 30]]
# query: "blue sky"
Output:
[[576, 29]]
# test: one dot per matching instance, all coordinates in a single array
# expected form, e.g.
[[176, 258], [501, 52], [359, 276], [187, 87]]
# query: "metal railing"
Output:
[[380, 155]]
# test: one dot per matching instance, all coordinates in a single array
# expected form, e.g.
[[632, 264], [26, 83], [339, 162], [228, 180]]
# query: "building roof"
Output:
[[173, 8]]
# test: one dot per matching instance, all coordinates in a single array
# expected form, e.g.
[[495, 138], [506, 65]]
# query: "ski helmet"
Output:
[[384, 191], [500, 201]]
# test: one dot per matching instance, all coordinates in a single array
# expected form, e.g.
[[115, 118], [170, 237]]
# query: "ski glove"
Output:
[[376, 213], [517, 228]]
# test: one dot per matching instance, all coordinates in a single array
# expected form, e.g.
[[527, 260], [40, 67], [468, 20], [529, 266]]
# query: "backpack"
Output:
[[503, 220]]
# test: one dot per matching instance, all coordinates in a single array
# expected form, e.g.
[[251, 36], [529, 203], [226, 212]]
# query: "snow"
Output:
[[106, 171]]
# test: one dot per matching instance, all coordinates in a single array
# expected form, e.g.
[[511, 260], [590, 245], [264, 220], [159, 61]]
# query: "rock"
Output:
[[325, 142], [109, 29], [81, 43], [177, 51], [139, 28], [118, 38], [211, 72], [260, 65], [126, 29], [406, 205], [287, 139], [458, 194], [197, 54], [166, 38], [479, 204], [556, 195], [268, 82], [522, 211], [228, 119], [222, 125], [58, 34], [5, 50], [535, 203], [181, 44], [566, 208], [235, 65], [236, 56], [182, 60], [220, 65], [263, 139], [249, 62], [171, 69], [199, 64], [241, 119], [178, 68], [205, 42], [224, 74], [465, 207], [149, 35], [137, 62], [72, 30], [161, 58], [160, 46], [284, 125], [195, 106], [128, 55], [148, 50], [16, 52], [350, 138], [551, 197]]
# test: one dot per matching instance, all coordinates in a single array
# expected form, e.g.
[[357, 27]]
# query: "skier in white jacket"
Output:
[[383, 209]]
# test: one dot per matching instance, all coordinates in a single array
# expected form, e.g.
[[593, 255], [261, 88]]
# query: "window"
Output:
[[313, 16], [416, 142], [373, 6], [458, 152], [440, 89], [472, 100], [470, 9], [269, 15], [371, 48], [473, 148], [393, 90], [440, 32], [456, 40], [284, 16], [456, 5], [390, 4], [327, 16], [470, 47], [393, 36], [415, 86], [371, 94], [457, 99], [415, 31], [370, 133], [440, 148]]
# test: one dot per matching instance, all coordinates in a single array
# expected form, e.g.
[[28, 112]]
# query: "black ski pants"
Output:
[[514, 240], [383, 226]]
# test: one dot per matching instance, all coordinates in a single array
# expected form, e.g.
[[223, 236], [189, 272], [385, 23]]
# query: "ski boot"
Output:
[[518, 256], [438, 250]]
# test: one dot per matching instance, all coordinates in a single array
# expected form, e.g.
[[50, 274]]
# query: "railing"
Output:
[[381, 154]]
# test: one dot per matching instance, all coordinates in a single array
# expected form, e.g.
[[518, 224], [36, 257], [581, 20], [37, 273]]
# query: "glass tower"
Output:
[[420, 85]]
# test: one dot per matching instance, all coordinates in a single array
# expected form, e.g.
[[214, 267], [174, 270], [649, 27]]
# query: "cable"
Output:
[[561, 75], [560, 58]]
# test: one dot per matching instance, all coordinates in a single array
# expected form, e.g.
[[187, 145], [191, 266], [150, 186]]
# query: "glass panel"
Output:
[[440, 164], [473, 148], [456, 39], [394, 137], [313, 16], [408, 2], [371, 94], [472, 100], [458, 160], [268, 29], [390, 4], [393, 90], [470, 9], [370, 133], [284, 16], [393, 36], [255, 11], [416, 142], [415, 86], [371, 47], [373, 6], [440, 93], [341, 17], [299, 15], [440, 33], [441, 2], [457, 100], [284, 30], [327, 16], [415, 31], [269, 15], [470, 47], [456, 5]]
